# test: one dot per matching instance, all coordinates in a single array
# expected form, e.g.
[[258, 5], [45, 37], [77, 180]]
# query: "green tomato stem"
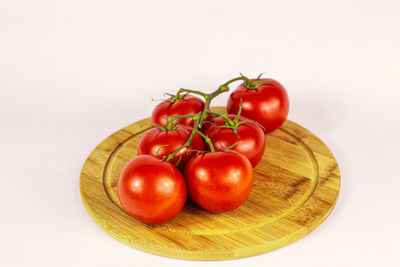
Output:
[[221, 89], [207, 139], [251, 121], [196, 118], [201, 116], [224, 116], [172, 118], [182, 90]]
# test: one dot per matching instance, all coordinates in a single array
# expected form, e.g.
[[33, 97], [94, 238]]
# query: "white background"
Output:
[[73, 72]]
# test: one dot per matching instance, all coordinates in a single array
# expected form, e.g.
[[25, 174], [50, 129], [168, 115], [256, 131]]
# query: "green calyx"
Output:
[[235, 123], [231, 146], [249, 84], [170, 126], [175, 98]]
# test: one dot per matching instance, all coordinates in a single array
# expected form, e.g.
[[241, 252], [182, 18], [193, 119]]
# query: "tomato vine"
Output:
[[200, 117]]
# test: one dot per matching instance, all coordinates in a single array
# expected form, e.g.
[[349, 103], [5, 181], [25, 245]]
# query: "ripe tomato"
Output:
[[185, 106], [166, 142], [251, 138], [151, 190], [268, 104], [219, 181]]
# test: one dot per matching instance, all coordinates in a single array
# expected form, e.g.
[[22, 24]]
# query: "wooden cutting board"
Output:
[[296, 187]]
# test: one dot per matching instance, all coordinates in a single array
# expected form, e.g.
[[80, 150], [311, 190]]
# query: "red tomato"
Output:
[[185, 106], [166, 142], [151, 190], [268, 104], [251, 138], [219, 181]]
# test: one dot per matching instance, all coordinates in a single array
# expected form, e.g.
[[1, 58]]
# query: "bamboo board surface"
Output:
[[296, 186]]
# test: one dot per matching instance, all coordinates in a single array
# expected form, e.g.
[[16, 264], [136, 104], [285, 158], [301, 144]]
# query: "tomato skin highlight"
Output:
[[155, 140], [186, 106], [219, 181], [151, 190], [268, 105], [251, 138]]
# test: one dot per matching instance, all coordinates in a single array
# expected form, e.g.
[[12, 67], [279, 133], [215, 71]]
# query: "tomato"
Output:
[[166, 142], [251, 138], [185, 106], [219, 181], [151, 190], [268, 104]]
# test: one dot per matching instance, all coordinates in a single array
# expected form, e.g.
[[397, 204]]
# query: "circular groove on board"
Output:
[[296, 186], [110, 186]]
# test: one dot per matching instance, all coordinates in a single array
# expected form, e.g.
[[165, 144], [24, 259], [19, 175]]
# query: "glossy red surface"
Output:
[[151, 190], [268, 105], [251, 138], [186, 106], [156, 140], [219, 181]]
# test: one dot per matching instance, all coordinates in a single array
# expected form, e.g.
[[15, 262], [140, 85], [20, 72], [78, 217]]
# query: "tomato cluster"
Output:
[[208, 155]]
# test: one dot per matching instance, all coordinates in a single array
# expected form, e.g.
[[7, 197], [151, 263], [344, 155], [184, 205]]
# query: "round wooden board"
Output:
[[296, 187]]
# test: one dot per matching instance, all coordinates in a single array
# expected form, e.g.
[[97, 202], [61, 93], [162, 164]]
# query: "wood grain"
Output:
[[296, 187]]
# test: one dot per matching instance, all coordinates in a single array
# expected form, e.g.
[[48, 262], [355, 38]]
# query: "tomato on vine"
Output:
[[162, 141], [239, 134], [219, 181], [264, 100], [151, 190], [182, 104]]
